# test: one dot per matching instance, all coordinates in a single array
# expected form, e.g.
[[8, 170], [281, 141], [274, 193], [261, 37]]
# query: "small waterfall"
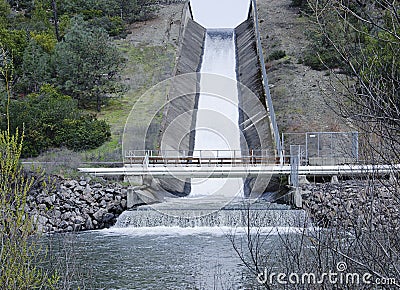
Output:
[[235, 216], [217, 120]]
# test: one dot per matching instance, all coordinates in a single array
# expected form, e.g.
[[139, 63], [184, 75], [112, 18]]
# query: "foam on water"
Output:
[[192, 216], [176, 231]]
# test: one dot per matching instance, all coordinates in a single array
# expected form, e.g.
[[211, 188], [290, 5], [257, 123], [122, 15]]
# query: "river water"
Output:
[[155, 258]]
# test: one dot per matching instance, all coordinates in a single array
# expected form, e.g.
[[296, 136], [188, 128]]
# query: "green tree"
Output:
[[4, 13], [41, 15], [45, 39], [83, 133], [111, 15], [86, 64], [381, 69], [36, 67], [51, 119], [14, 42], [22, 4]]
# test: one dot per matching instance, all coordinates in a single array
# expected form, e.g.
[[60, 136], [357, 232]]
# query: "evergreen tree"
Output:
[[14, 42], [36, 67], [4, 13], [86, 64]]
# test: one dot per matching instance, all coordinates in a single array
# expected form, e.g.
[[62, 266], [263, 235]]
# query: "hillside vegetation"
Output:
[[61, 63], [359, 44]]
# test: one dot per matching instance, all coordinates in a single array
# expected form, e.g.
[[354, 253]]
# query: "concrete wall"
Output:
[[177, 130], [254, 119], [249, 69]]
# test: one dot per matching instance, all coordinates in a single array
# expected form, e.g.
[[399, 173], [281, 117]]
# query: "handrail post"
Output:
[[200, 158], [146, 161]]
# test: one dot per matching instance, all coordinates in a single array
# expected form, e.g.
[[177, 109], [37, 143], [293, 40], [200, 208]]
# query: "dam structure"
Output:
[[210, 151], [211, 115], [218, 117], [218, 102]]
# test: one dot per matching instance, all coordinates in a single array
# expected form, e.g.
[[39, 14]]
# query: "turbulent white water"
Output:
[[217, 120], [219, 231], [258, 216]]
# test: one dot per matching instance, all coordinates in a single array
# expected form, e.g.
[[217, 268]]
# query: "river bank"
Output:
[[357, 204], [76, 205]]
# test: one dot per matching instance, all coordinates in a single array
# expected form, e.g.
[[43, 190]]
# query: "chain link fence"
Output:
[[323, 148]]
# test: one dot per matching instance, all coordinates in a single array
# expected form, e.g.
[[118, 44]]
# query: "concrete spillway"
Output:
[[218, 100], [238, 118]]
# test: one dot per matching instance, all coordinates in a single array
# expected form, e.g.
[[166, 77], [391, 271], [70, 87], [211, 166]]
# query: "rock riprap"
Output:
[[353, 203], [74, 205]]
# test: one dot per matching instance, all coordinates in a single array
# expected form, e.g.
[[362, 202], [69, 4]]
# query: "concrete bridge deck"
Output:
[[235, 171]]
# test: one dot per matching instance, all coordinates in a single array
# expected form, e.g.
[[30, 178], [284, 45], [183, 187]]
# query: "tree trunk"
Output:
[[98, 103], [54, 7]]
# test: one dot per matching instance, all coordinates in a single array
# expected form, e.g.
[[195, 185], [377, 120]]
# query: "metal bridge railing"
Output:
[[197, 158]]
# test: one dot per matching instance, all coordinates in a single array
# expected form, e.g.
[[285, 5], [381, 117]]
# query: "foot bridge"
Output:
[[228, 164], [218, 119]]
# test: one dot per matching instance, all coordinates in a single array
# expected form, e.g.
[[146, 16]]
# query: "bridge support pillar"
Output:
[[297, 200], [335, 179], [303, 179], [134, 180]]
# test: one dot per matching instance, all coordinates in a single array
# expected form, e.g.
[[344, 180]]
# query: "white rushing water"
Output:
[[217, 231], [217, 120], [217, 123]]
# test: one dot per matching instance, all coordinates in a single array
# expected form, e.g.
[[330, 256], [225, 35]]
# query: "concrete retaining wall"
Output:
[[249, 69], [177, 131], [254, 119]]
